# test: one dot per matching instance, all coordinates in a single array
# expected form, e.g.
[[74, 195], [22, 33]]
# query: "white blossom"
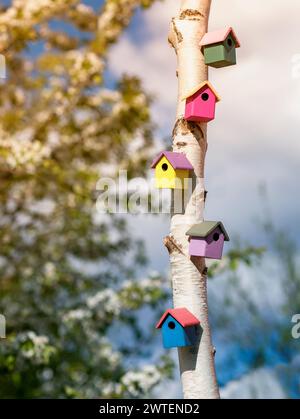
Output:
[[36, 351], [143, 380], [107, 300], [78, 314]]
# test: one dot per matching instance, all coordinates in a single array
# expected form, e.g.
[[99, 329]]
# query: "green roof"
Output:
[[205, 228]]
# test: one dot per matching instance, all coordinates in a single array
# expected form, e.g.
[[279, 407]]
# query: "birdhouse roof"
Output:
[[177, 160], [219, 36], [199, 87], [205, 228], [182, 315]]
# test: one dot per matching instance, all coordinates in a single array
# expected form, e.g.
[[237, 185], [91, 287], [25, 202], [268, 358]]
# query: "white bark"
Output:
[[189, 277]]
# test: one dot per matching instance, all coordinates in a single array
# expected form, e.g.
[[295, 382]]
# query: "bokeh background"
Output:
[[91, 89]]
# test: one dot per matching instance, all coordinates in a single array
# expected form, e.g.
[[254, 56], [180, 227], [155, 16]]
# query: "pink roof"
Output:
[[182, 315], [177, 160], [219, 36]]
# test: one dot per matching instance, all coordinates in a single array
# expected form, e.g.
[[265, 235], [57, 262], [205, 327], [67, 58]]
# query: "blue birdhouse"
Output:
[[179, 328]]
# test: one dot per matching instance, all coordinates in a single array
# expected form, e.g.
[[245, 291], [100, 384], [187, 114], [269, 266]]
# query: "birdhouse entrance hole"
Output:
[[216, 237], [171, 325], [229, 42], [165, 167], [205, 97]]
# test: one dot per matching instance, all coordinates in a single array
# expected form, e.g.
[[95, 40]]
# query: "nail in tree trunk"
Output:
[[189, 277]]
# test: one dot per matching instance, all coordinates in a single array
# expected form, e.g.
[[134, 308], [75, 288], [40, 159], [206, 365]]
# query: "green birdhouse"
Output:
[[219, 48]]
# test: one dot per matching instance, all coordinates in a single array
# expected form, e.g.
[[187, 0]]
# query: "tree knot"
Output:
[[172, 245]]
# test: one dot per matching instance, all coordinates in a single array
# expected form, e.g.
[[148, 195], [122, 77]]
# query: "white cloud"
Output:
[[152, 64], [260, 384]]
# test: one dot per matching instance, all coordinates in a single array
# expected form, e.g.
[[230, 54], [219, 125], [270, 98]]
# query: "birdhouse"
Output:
[[200, 105], [207, 239], [179, 328], [171, 169], [219, 48]]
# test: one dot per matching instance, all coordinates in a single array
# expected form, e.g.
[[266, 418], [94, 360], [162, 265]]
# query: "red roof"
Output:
[[182, 315], [177, 160]]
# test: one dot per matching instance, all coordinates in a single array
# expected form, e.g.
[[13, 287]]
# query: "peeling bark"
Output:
[[191, 14], [172, 246], [189, 275]]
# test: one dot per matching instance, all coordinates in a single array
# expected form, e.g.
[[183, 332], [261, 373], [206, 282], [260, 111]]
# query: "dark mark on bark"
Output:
[[171, 43], [178, 33], [205, 271], [191, 14], [172, 245], [205, 195], [196, 131], [184, 127], [180, 144], [181, 127], [176, 129]]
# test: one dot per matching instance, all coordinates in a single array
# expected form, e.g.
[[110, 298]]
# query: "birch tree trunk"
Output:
[[189, 277]]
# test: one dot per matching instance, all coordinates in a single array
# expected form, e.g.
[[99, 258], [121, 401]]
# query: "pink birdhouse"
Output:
[[207, 239], [200, 103]]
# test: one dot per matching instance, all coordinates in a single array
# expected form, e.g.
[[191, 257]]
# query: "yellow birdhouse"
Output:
[[171, 169]]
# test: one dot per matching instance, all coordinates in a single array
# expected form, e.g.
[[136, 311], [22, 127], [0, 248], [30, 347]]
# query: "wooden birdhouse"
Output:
[[207, 239], [219, 48], [171, 169], [200, 105], [179, 328]]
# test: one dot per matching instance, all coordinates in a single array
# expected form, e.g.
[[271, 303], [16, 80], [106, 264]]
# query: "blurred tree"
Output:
[[67, 275]]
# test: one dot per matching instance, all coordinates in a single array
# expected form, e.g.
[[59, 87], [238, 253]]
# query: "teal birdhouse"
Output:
[[179, 328], [219, 48]]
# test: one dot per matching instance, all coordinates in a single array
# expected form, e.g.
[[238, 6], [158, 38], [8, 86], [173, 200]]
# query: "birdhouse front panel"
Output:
[[210, 247], [166, 177], [200, 107], [220, 55]]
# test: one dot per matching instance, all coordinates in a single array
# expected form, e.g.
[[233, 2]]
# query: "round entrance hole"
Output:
[[205, 97], [171, 325], [165, 167], [216, 237]]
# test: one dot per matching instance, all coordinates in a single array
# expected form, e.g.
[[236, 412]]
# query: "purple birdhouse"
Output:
[[207, 239], [200, 103]]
